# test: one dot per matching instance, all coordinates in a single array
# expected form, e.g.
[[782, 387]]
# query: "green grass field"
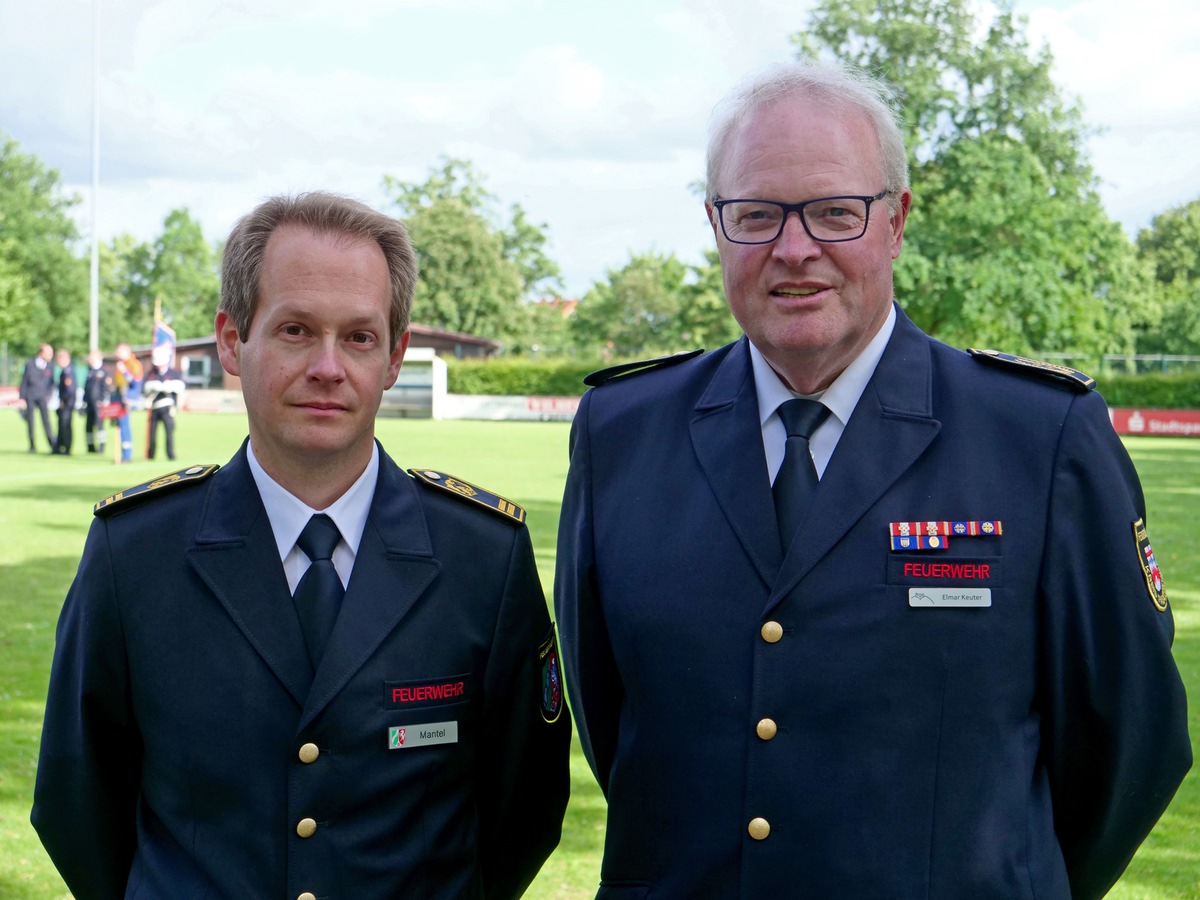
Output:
[[45, 509]]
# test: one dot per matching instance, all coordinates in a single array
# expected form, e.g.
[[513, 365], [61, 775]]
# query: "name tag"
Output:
[[949, 597], [403, 737]]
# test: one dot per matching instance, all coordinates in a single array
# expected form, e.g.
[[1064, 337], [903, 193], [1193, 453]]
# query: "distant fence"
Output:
[[1130, 364]]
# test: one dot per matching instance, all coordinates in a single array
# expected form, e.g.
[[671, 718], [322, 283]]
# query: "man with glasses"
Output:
[[847, 612]]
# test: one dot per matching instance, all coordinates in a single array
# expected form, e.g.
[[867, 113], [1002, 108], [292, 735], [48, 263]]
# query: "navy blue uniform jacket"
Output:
[[1021, 750], [183, 744]]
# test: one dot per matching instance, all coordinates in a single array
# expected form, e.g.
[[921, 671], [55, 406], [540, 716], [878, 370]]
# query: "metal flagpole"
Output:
[[94, 319]]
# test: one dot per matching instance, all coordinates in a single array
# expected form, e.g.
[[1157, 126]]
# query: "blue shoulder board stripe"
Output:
[[603, 376]]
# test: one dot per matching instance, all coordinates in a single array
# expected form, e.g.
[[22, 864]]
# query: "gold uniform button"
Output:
[[766, 729], [772, 632], [759, 828], [309, 753], [307, 895], [306, 828]]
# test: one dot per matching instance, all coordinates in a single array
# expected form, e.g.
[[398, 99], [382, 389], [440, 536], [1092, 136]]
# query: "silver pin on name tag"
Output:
[[949, 597], [404, 737]]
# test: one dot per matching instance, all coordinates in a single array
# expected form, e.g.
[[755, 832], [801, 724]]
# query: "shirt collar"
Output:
[[841, 397], [288, 514]]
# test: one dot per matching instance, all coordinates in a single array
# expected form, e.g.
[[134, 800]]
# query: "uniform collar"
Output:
[[289, 514]]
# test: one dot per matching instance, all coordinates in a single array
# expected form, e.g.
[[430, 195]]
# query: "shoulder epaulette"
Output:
[[1062, 374], [157, 487], [471, 492], [603, 376]]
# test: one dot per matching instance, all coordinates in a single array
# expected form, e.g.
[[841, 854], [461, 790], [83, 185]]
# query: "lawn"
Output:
[[45, 508]]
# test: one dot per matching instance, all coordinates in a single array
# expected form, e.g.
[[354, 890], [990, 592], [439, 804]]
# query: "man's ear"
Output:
[[396, 359], [897, 219], [228, 343]]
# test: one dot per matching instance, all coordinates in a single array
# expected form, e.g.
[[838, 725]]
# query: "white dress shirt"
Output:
[[288, 515], [841, 397]]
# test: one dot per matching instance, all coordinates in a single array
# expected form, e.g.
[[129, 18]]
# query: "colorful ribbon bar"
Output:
[[908, 529], [920, 542], [960, 529], [974, 529]]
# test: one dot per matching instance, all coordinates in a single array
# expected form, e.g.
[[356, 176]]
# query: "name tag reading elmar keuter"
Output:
[[949, 597]]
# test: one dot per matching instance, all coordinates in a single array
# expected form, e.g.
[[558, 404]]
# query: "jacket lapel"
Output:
[[726, 435], [890, 429], [236, 556], [393, 567]]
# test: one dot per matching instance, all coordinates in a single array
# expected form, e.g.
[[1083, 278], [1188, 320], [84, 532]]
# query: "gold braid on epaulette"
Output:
[[1060, 374], [150, 489], [472, 493]]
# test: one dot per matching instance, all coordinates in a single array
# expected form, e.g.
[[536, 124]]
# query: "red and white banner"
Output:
[[1167, 422]]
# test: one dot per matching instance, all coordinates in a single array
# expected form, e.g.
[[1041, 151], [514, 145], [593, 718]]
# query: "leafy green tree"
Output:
[[547, 330], [16, 294], [1007, 244], [476, 271], [466, 283], [525, 247], [655, 304], [1170, 247], [43, 284], [184, 275], [635, 312], [179, 268], [705, 320], [126, 298]]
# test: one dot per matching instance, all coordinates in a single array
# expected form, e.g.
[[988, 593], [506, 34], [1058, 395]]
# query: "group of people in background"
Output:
[[106, 393]]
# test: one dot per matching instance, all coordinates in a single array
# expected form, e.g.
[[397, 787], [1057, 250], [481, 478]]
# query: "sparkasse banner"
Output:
[[1166, 422]]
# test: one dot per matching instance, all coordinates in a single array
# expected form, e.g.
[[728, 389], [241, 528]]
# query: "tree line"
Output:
[[1007, 245]]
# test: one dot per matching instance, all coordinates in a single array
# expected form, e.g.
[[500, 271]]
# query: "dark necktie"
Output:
[[796, 480], [319, 594]]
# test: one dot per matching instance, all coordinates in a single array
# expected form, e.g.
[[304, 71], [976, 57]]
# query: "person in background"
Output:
[[847, 612], [127, 378], [37, 387], [163, 389], [96, 391], [331, 678], [68, 394]]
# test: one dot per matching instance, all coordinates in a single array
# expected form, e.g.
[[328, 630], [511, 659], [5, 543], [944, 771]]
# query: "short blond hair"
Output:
[[322, 213]]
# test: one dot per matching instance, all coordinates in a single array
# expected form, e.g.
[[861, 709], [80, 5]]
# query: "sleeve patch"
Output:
[[1062, 374], [150, 489], [472, 492], [1150, 569], [551, 677]]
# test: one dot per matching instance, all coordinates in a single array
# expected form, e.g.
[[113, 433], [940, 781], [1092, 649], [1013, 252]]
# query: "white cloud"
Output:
[[1135, 69], [591, 116]]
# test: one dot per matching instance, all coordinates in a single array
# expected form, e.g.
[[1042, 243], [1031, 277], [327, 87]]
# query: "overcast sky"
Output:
[[591, 116]]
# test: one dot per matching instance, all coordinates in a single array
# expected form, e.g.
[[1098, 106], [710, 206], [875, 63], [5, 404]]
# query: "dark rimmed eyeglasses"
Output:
[[829, 220]]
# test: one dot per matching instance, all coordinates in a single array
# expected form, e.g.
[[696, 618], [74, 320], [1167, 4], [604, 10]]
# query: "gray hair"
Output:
[[325, 214], [835, 86]]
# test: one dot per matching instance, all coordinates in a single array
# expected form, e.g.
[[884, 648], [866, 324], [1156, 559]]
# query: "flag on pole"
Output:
[[164, 334], [162, 356]]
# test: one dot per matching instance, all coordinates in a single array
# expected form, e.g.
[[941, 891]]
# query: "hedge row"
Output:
[[564, 378], [537, 378], [1151, 391]]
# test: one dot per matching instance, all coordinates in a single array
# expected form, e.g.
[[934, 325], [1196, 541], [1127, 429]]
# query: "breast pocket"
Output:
[[929, 581], [429, 712]]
